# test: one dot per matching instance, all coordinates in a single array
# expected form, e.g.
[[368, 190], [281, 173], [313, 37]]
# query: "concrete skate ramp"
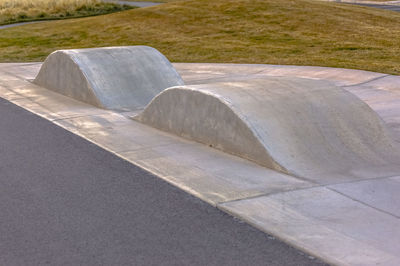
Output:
[[297, 126], [118, 78]]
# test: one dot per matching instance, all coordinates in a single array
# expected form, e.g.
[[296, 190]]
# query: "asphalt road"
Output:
[[65, 201]]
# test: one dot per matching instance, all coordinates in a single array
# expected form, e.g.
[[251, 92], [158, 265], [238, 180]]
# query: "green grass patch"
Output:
[[293, 32]]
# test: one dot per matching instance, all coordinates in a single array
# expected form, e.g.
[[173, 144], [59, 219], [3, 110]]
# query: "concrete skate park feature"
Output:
[[117, 78], [344, 221], [302, 127]]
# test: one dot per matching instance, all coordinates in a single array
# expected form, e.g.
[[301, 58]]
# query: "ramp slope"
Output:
[[117, 78], [303, 127]]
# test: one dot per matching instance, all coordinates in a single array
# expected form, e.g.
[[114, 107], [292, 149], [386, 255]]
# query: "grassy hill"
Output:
[[300, 32]]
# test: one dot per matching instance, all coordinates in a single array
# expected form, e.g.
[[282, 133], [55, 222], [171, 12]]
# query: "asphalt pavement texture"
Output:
[[66, 201]]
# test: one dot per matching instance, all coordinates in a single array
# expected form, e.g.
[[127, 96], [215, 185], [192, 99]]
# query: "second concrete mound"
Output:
[[117, 78], [307, 128]]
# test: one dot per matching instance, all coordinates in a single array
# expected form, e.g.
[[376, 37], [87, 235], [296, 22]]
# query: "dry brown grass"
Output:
[[43, 4], [297, 32], [12, 11]]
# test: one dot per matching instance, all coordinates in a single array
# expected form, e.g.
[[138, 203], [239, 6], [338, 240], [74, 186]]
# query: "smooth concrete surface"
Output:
[[201, 73], [302, 127], [382, 95], [347, 231], [345, 223], [379, 91], [118, 78], [380, 193]]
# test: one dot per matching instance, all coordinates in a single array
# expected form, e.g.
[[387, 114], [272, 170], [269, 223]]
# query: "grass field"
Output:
[[297, 32], [12, 11]]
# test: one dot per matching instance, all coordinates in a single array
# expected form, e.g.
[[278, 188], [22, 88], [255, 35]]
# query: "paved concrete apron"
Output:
[[65, 201]]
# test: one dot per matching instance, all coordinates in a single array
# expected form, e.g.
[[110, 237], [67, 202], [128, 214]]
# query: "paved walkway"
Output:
[[386, 7], [17, 24]]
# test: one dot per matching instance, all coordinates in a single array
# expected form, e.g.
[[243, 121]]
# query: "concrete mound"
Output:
[[117, 78], [297, 126]]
